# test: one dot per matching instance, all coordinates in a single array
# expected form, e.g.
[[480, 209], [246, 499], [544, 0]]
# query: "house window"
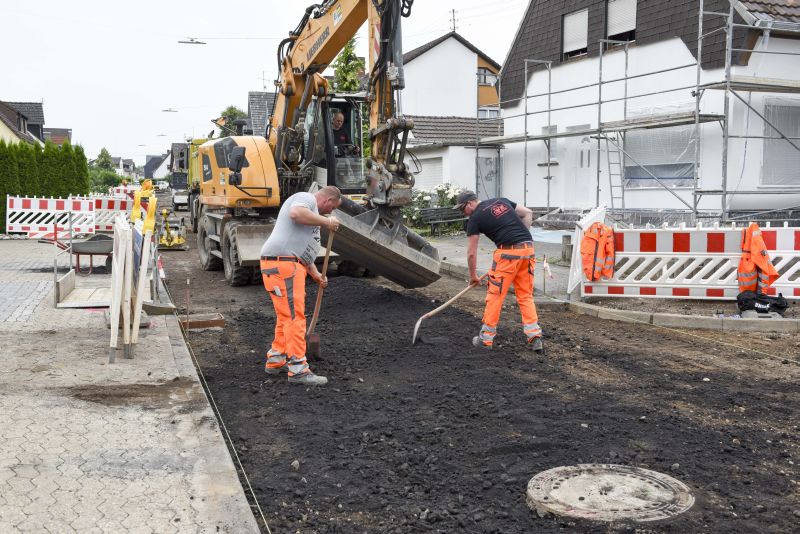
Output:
[[667, 153], [486, 77], [621, 23], [575, 29], [488, 113], [781, 160]]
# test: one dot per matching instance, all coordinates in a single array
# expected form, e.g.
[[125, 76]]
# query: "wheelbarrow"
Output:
[[97, 245]]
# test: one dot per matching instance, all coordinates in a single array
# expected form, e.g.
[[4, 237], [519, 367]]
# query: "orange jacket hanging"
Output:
[[597, 252], [755, 272]]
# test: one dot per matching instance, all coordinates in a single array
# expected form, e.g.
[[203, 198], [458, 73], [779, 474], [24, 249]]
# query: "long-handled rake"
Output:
[[440, 308]]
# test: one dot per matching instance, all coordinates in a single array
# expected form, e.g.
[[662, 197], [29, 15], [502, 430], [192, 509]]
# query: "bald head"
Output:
[[328, 199]]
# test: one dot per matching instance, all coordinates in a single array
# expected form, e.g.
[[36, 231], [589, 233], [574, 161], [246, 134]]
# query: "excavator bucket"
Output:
[[249, 240], [389, 250]]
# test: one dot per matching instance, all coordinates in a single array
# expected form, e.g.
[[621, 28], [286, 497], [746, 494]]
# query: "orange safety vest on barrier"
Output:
[[755, 272], [597, 252]]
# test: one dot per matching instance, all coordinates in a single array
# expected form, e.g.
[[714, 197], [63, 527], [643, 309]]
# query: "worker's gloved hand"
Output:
[[333, 224]]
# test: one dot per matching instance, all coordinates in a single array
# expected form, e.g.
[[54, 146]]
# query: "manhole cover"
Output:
[[606, 492]]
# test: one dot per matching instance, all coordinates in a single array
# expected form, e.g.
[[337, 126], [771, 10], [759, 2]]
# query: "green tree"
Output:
[[82, 169], [68, 184], [100, 180], [28, 170], [49, 170], [347, 66], [104, 161], [37, 156], [228, 115], [9, 184]]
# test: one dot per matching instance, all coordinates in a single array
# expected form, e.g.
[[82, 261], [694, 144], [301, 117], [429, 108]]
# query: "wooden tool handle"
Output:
[[452, 300], [321, 289]]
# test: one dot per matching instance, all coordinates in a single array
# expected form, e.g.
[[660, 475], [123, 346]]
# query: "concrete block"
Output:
[[584, 309], [454, 270], [784, 326], [677, 320], [625, 316]]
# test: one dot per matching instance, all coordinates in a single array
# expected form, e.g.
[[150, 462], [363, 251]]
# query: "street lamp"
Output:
[[169, 110], [192, 40]]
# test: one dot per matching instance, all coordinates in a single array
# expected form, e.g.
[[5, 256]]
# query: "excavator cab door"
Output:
[[343, 120]]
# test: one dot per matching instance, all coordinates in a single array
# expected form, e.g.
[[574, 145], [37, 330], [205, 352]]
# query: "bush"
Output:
[[9, 183], [28, 170]]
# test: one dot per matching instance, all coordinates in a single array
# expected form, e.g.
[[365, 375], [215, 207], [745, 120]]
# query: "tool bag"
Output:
[[750, 300]]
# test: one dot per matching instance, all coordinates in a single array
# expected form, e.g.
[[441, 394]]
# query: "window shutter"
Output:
[[621, 16], [576, 26]]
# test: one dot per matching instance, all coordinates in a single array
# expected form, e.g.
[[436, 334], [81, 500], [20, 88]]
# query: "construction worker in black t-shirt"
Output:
[[340, 135], [508, 225]]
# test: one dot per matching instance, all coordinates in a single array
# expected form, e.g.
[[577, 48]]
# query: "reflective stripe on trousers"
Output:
[[275, 359], [510, 266], [285, 281]]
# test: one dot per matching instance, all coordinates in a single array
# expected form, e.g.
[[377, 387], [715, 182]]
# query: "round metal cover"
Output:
[[605, 492]]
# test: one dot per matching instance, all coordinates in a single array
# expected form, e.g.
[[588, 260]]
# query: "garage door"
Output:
[[431, 174]]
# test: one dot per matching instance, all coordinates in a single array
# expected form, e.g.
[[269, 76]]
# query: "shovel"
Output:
[[312, 339], [440, 308]]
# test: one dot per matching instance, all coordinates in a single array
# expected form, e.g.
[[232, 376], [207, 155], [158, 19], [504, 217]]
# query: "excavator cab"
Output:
[[337, 136]]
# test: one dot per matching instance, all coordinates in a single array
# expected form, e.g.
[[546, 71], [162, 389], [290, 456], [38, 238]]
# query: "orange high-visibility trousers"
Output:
[[285, 281], [510, 266]]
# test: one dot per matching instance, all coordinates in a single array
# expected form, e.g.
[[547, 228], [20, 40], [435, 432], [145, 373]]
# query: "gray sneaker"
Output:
[[536, 345], [308, 379], [476, 342]]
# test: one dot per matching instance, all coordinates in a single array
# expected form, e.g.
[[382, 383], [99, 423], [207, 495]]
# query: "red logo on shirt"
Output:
[[499, 209]]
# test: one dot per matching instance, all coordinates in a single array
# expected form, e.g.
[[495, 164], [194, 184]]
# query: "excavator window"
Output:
[[207, 172]]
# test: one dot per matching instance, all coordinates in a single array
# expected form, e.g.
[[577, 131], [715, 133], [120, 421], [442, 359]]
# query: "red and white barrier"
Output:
[[49, 217], [125, 190], [687, 263], [107, 208]]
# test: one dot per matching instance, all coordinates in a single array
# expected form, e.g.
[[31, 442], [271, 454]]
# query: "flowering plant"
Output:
[[442, 196]]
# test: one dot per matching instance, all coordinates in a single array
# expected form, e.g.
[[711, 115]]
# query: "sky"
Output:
[[107, 69]]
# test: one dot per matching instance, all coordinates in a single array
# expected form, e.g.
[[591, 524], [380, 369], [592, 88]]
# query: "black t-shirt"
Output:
[[340, 137], [498, 219]]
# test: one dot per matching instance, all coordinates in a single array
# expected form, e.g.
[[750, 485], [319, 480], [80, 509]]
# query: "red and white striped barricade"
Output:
[[49, 218], [106, 209], [693, 263], [125, 190]]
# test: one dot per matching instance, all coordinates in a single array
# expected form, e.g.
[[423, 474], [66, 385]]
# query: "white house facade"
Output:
[[644, 131], [445, 104]]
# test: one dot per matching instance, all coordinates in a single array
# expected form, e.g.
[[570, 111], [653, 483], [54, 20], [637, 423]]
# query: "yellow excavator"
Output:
[[243, 180]]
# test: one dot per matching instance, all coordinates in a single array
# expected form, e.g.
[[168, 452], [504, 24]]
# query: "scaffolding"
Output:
[[612, 133]]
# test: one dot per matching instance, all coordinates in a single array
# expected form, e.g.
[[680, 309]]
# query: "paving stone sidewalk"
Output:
[[90, 447]]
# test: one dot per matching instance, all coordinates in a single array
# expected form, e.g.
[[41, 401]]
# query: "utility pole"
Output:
[[453, 18]]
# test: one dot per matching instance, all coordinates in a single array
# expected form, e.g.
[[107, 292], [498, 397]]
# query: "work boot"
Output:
[[536, 345], [276, 363], [309, 379], [476, 342], [276, 370]]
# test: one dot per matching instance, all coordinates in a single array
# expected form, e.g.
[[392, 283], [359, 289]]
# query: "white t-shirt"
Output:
[[291, 239]]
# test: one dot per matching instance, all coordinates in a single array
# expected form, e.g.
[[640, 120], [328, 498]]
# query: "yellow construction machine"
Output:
[[172, 234], [241, 181]]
